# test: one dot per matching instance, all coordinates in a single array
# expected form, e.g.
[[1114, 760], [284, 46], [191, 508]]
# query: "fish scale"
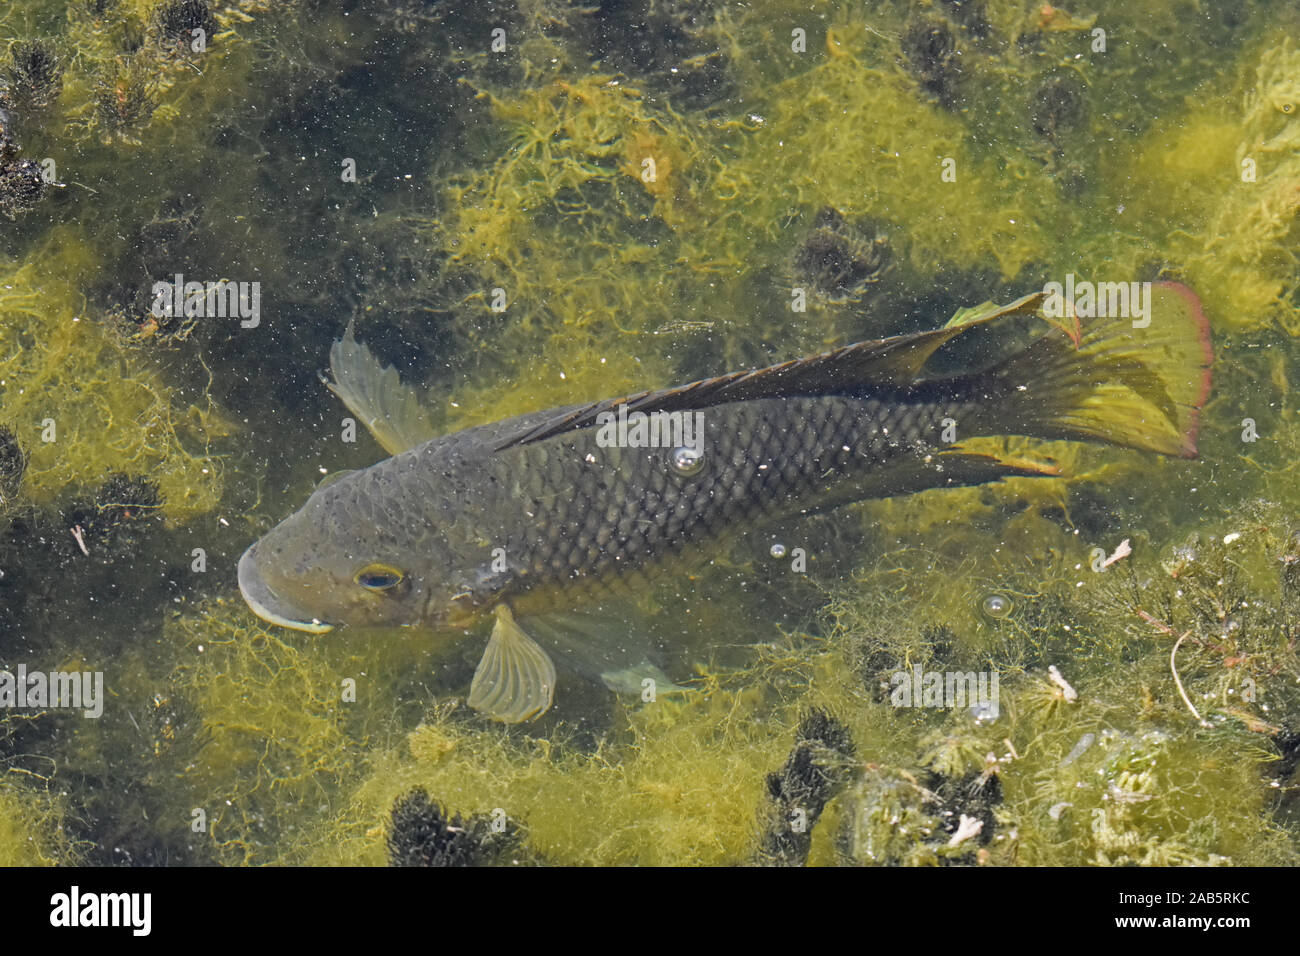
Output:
[[564, 517]]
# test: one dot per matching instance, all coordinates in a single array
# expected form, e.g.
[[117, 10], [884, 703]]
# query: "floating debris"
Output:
[[967, 827], [1122, 551], [1068, 692], [678, 326], [1057, 809], [1086, 741]]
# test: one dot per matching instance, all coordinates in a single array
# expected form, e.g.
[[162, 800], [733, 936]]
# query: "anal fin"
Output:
[[611, 643], [632, 680]]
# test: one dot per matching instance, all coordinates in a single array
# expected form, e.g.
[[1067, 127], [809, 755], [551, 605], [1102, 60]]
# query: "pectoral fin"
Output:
[[515, 680]]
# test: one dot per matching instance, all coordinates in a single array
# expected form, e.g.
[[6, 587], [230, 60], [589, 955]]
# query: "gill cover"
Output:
[[515, 679]]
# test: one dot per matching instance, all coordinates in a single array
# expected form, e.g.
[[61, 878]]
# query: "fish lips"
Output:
[[268, 605]]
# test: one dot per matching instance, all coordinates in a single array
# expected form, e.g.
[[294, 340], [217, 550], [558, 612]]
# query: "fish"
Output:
[[524, 520]]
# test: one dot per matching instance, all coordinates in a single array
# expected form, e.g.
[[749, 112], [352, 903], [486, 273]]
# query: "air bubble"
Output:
[[687, 462], [996, 606]]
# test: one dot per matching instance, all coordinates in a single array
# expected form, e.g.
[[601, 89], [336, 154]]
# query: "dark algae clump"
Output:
[[13, 462], [1058, 107], [525, 206], [34, 78], [22, 181], [814, 772], [930, 49], [22, 186], [176, 20], [124, 98], [122, 501], [421, 833], [839, 260]]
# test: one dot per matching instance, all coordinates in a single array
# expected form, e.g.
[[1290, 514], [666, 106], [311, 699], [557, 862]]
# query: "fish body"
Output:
[[550, 510]]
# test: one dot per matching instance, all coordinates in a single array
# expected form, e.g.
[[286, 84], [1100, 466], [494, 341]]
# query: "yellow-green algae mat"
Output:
[[1115, 771], [252, 724]]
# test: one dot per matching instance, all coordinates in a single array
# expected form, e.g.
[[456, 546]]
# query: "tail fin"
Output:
[[1137, 387]]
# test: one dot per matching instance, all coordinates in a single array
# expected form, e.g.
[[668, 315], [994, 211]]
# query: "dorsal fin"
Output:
[[374, 393], [893, 361]]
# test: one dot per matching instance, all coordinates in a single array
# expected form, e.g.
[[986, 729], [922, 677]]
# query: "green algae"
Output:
[[1236, 242], [31, 831], [119, 135], [82, 404], [607, 216], [563, 211], [1122, 774]]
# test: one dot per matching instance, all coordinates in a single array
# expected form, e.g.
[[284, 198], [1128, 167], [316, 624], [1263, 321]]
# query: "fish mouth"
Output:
[[261, 599]]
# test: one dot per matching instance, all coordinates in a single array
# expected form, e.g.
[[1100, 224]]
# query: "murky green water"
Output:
[[527, 204]]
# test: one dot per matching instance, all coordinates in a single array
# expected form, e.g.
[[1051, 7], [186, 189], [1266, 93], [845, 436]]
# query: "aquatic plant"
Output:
[[838, 261], [32, 829], [22, 186], [811, 776], [34, 78], [1235, 241], [930, 50], [13, 463], [177, 20], [422, 834], [125, 100], [120, 501]]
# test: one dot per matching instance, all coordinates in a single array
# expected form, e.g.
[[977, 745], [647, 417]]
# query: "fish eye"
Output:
[[378, 578]]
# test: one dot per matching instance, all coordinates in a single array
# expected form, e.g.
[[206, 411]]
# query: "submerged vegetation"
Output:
[[608, 200]]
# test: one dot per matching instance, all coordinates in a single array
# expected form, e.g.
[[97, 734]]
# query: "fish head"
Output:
[[342, 560]]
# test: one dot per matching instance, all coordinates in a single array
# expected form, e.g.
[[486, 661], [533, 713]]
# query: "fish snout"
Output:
[[269, 606]]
